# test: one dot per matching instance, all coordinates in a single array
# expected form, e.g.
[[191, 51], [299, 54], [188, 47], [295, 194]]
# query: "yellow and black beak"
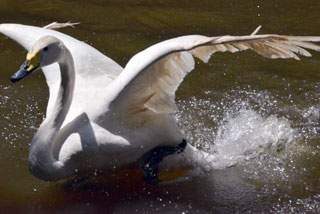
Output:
[[31, 64]]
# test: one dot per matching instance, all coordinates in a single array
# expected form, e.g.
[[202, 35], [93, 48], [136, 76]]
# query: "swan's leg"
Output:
[[153, 159]]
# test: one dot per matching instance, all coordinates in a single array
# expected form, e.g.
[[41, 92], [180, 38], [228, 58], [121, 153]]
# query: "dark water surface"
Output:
[[260, 115]]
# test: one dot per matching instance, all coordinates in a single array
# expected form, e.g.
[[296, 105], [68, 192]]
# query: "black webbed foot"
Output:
[[153, 159]]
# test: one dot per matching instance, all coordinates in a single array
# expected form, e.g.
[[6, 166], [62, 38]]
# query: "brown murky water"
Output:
[[270, 108]]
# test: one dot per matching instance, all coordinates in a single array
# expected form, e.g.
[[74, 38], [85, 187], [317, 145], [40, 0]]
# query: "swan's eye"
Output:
[[45, 49]]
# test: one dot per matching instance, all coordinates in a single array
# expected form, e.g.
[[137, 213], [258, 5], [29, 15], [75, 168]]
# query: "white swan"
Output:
[[99, 117]]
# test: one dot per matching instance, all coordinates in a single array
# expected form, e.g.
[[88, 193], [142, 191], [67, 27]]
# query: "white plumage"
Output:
[[114, 115]]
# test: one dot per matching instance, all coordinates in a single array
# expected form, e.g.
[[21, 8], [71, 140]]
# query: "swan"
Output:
[[100, 116]]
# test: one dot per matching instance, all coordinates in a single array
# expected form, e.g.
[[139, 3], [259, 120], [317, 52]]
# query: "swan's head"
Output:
[[45, 51]]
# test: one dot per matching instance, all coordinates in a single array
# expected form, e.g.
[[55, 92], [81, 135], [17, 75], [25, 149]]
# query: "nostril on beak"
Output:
[[25, 65]]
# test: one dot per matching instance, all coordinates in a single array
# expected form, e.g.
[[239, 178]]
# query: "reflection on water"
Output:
[[259, 116]]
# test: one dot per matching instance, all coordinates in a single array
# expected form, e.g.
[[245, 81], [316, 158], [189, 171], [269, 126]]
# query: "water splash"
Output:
[[272, 142], [248, 135], [236, 128]]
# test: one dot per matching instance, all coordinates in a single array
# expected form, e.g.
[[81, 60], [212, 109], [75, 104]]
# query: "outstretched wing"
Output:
[[148, 83], [93, 69]]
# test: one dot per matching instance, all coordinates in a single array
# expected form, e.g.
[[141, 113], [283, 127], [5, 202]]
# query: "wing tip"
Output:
[[256, 30], [57, 25]]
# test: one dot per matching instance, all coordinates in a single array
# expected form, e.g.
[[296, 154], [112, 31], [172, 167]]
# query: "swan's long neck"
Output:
[[65, 95], [42, 163]]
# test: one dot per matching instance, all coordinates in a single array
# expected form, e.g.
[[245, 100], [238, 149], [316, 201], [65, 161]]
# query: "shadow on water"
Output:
[[259, 116]]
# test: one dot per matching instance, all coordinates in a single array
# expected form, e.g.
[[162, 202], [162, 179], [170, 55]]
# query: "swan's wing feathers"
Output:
[[153, 76], [57, 25], [273, 46], [161, 84], [148, 83], [154, 90]]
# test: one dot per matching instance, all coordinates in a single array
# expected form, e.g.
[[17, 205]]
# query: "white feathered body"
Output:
[[117, 115]]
